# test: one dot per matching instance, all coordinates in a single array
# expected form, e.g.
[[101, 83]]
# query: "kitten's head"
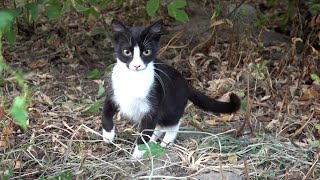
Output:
[[136, 46]]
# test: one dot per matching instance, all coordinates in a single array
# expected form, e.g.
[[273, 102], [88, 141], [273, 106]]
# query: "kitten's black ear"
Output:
[[156, 27], [117, 26]]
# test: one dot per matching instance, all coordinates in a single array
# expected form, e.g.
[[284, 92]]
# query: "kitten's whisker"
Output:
[[147, 42], [163, 73], [161, 82], [144, 41]]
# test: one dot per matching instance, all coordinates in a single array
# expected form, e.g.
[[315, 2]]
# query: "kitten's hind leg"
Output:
[[171, 134], [157, 133]]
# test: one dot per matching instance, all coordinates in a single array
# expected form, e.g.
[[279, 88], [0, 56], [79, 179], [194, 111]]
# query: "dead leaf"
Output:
[[294, 40], [54, 40], [233, 159], [218, 22], [308, 94], [272, 124], [61, 150], [211, 122], [225, 117], [71, 97], [2, 113], [53, 114], [38, 63], [265, 98], [215, 55], [34, 111], [7, 131], [12, 163], [47, 99], [193, 60], [45, 76], [206, 64]]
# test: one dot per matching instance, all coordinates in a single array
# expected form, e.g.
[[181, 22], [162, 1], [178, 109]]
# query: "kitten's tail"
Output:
[[209, 104]]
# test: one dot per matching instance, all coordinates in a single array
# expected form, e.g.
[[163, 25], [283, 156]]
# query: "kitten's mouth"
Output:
[[137, 70]]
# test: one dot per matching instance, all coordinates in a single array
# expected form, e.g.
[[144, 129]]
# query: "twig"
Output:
[[286, 175], [313, 165], [221, 168], [303, 126], [80, 170], [246, 169], [248, 112]]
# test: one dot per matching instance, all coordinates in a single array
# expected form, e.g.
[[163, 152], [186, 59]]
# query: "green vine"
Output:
[[19, 105]]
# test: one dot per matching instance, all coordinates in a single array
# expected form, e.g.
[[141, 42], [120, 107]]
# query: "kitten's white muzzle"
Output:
[[137, 64]]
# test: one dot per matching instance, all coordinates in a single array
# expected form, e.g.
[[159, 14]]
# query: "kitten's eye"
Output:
[[146, 52], [127, 52]]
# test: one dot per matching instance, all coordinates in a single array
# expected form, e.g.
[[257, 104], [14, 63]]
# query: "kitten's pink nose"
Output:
[[136, 66]]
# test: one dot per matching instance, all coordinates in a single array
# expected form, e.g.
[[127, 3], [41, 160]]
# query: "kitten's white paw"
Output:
[[166, 144], [108, 137], [163, 144], [138, 154]]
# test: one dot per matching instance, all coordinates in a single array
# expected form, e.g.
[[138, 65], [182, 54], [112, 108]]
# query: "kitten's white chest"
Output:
[[131, 90]]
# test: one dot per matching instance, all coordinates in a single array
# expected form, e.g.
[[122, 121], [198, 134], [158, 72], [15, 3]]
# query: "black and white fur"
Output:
[[148, 92]]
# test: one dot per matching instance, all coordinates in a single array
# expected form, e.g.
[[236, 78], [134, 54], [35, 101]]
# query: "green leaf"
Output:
[[18, 111], [282, 19], [241, 94], [66, 6], [120, 2], [176, 4], [93, 2], [33, 11], [100, 91], [153, 150], [78, 7], [315, 77], [10, 36], [93, 74], [53, 11], [43, 1], [315, 8], [315, 143], [94, 108], [6, 19], [243, 106], [318, 127], [175, 11], [1, 68], [152, 7], [91, 11], [6, 173], [181, 15]]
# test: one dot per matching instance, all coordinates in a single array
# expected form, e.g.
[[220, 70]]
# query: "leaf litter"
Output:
[[64, 131]]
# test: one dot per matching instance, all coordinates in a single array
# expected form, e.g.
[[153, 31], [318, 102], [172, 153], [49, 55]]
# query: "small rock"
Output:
[[245, 13]]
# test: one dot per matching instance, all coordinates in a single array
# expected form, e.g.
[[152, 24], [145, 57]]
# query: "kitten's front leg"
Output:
[[147, 125], [108, 128]]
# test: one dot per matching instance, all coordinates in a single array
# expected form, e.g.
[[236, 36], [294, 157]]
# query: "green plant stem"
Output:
[[16, 75]]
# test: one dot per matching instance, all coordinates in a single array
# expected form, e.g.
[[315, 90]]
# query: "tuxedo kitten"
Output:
[[148, 92]]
